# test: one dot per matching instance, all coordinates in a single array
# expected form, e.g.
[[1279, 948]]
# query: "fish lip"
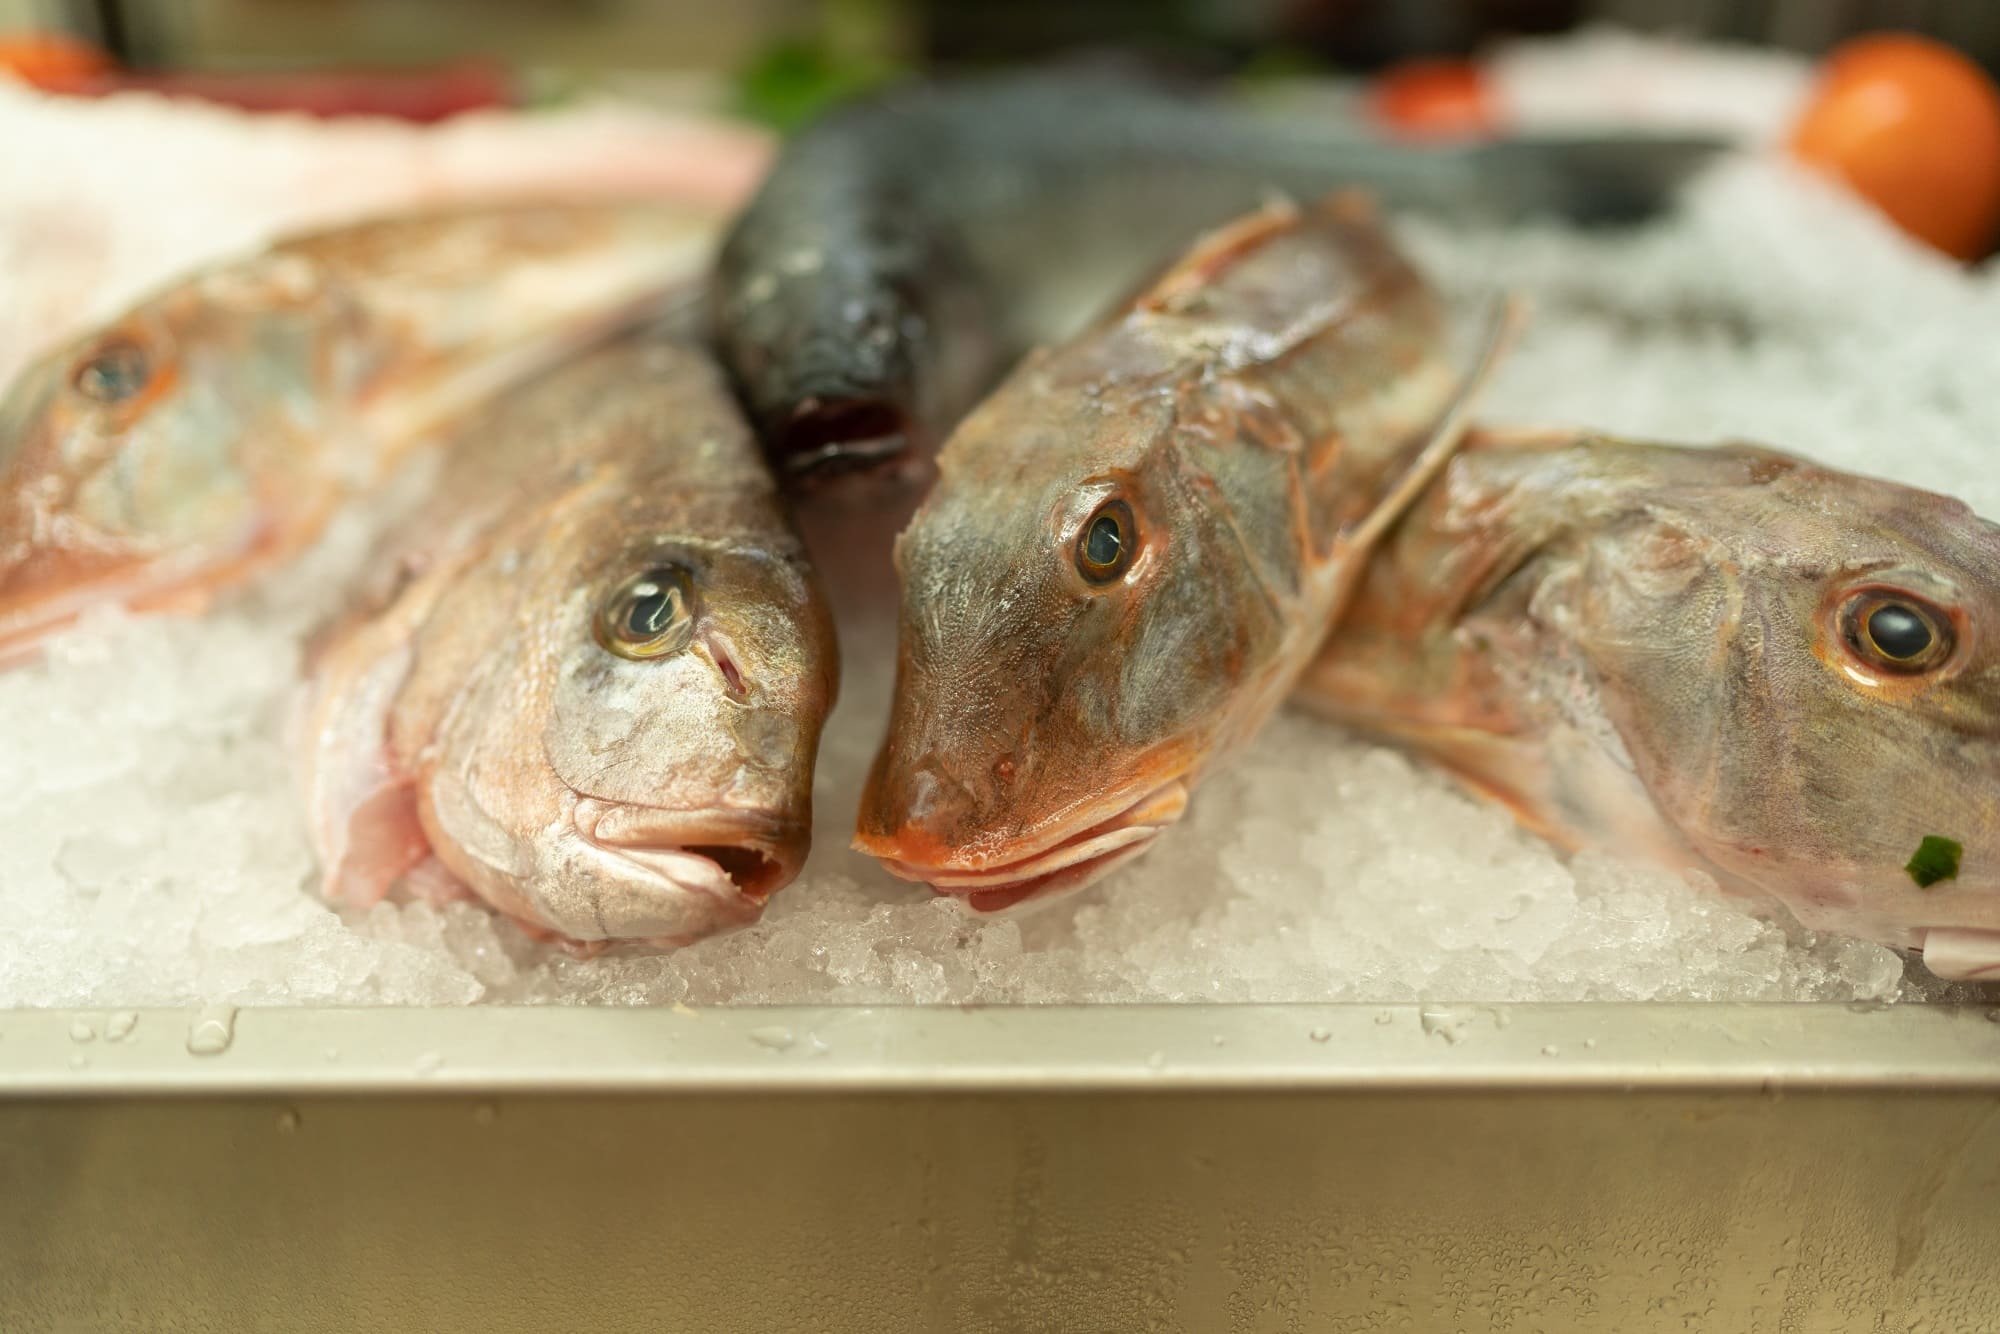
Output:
[[1070, 862], [692, 847]]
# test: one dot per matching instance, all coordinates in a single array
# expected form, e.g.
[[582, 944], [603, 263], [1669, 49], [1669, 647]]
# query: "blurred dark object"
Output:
[[1368, 34]]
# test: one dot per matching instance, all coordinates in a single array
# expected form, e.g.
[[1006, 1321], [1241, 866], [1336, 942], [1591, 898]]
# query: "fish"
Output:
[[1722, 658], [587, 679], [905, 249], [210, 430], [1135, 543]]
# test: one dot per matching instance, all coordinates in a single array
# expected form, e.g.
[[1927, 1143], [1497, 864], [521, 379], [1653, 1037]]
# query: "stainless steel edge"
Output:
[[1015, 1049]]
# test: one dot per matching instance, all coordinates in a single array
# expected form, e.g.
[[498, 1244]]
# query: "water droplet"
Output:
[[82, 1030], [1157, 1061], [817, 1045], [1590, 1044], [331, 1053], [1385, 1016], [78, 1061], [1551, 1049], [288, 1120], [1219, 1040], [429, 1063], [212, 1030], [1442, 1023], [120, 1025], [775, 1036], [1321, 1035]]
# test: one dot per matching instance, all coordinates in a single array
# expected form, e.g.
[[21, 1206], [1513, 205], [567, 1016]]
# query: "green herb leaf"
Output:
[[1935, 859], [793, 81]]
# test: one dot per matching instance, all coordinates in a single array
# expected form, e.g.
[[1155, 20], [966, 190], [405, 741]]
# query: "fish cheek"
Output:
[[1189, 638], [653, 732], [174, 482], [1665, 633]]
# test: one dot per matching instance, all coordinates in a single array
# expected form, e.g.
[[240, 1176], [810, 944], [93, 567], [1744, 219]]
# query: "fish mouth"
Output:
[[830, 436], [731, 861], [1070, 863], [1962, 953]]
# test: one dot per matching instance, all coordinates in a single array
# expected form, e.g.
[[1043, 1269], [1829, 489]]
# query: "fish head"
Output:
[[152, 453], [630, 756], [1805, 668], [1077, 619]]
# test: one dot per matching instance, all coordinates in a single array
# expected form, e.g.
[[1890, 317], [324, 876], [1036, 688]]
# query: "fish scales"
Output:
[[1723, 659], [591, 686], [1135, 543], [211, 429]]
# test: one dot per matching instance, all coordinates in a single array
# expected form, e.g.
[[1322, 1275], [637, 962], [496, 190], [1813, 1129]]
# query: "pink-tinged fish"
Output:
[[210, 430], [1724, 658], [593, 683], [1138, 541]]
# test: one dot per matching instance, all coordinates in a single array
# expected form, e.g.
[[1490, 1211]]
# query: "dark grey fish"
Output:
[[904, 249]]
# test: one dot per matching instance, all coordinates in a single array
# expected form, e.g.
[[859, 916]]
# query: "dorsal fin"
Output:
[[1216, 250]]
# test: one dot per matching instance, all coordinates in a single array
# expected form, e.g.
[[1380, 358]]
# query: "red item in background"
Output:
[[50, 59], [1914, 127], [1435, 99], [61, 64]]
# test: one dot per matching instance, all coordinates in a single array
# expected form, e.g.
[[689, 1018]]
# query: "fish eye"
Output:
[[1109, 540], [650, 615], [1896, 632], [116, 372]]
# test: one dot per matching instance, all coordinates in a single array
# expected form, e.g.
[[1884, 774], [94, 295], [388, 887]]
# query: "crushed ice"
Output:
[[152, 851]]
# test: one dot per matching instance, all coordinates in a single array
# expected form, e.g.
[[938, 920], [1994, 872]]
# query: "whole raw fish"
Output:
[[1724, 658], [1136, 544], [595, 677], [210, 430], [905, 248]]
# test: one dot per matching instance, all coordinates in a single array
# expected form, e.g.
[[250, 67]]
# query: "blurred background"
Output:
[[700, 34], [1895, 97]]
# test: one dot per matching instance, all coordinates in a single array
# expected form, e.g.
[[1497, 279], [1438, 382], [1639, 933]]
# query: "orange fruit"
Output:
[[51, 59], [1914, 127], [1434, 98]]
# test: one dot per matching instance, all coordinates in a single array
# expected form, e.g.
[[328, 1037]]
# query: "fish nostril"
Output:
[[751, 871]]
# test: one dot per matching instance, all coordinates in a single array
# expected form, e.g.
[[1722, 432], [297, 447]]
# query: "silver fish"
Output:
[[593, 682]]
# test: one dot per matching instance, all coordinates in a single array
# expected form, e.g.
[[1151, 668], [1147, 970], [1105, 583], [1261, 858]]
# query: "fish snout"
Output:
[[930, 811]]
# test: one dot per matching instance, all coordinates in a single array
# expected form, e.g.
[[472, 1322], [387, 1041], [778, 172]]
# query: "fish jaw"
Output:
[[754, 853], [618, 874], [1053, 864]]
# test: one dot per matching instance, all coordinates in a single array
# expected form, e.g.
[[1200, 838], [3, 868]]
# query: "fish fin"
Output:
[[1446, 436], [1353, 546], [363, 805], [431, 881], [1197, 269], [383, 842]]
